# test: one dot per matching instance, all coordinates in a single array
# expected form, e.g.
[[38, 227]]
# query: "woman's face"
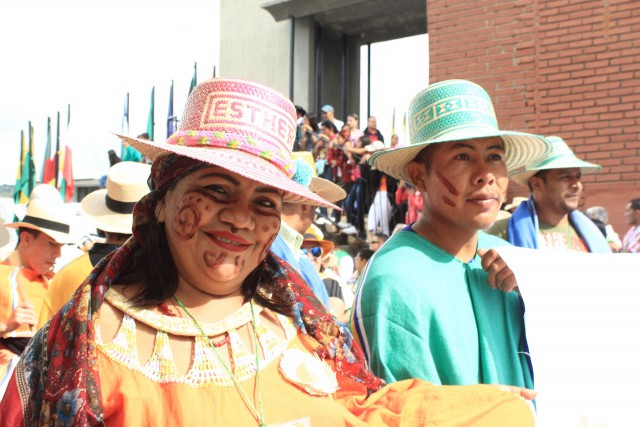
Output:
[[219, 226]]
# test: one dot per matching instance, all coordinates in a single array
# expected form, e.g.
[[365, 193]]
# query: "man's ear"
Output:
[[26, 238], [535, 182], [417, 172]]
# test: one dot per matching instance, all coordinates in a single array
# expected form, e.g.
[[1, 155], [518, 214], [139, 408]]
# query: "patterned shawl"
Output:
[[57, 380]]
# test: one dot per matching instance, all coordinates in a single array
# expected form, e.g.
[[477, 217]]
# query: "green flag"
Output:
[[151, 121], [26, 178], [194, 79]]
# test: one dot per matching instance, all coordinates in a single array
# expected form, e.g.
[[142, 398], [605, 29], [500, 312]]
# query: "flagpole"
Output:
[[68, 115], [31, 165], [55, 183], [47, 151]]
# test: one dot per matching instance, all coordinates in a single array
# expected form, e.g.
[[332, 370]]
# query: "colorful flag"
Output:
[[404, 126], [49, 164], [194, 79], [66, 185], [171, 120], [26, 178], [151, 120]]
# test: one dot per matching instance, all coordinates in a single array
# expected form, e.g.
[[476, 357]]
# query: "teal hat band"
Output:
[[449, 107]]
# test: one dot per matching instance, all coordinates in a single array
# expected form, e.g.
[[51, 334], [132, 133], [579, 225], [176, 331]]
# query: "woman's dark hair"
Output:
[[153, 268], [329, 125], [313, 122]]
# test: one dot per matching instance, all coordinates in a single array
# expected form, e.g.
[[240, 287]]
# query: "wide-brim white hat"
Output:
[[112, 208], [456, 110], [52, 219], [559, 157], [242, 126]]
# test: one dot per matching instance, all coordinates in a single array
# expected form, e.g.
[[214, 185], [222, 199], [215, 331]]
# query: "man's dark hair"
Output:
[[31, 231], [381, 236], [365, 254], [329, 124], [424, 156], [144, 135], [540, 174], [300, 111], [635, 204]]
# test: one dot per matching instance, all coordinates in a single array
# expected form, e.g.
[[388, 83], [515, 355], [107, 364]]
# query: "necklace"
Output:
[[259, 415]]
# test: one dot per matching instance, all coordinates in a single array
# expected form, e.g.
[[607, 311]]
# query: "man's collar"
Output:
[[291, 237]]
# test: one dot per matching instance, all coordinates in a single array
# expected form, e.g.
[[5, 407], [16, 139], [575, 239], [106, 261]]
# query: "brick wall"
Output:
[[568, 67]]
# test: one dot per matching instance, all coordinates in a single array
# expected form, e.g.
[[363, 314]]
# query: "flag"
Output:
[[49, 164], [171, 120], [194, 79], [57, 155], [151, 120], [214, 71], [404, 126], [66, 185], [26, 178], [393, 122]]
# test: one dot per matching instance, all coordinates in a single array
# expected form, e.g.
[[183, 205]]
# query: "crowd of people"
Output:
[[218, 292]]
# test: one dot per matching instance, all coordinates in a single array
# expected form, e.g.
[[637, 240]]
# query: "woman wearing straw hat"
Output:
[[549, 217], [429, 290], [195, 322]]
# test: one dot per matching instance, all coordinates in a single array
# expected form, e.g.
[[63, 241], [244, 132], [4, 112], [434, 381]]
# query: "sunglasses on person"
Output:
[[315, 251]]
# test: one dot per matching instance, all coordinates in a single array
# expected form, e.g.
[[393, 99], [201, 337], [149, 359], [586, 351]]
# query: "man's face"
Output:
[[372, 123], [376, 243], [359, 263], [39, 253], [632, 216], [464, 182], [558, 190]]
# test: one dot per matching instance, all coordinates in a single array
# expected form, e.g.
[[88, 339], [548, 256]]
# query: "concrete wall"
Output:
[[256, 47], [568, 68]]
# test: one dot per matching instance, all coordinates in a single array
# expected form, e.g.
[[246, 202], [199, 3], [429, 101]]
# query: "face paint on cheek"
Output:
[[448, 185], [448, 201], [187, 220], [214, 261]]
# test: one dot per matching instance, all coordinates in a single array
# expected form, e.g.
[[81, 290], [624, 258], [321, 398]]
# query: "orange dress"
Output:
[[297, 389]]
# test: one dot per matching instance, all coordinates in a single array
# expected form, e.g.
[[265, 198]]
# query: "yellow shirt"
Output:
[[63, 286]]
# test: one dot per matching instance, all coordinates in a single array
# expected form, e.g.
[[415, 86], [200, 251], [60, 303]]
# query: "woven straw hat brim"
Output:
[[244, 164], [62, 238], [522, 177], [326, 245], [327, 189], [520, 149], [104, 218]]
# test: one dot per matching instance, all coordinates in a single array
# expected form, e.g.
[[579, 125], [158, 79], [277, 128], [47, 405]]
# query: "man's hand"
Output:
[[23, 314], [500, 275], [525, 393]]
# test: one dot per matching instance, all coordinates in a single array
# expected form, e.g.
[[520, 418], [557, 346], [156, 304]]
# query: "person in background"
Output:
[[296, 220], [130, 154], [395, 141], [631, 240], [112, 212], [25, 276], [377, 240], [372, 130], [328, 114], [549, 219], [599, 213]]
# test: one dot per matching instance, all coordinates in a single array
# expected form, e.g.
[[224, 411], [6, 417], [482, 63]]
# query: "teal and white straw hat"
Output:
[[560, 157], [456, 110]]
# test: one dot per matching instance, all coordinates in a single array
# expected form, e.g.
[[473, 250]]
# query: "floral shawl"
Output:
[[57, 382]]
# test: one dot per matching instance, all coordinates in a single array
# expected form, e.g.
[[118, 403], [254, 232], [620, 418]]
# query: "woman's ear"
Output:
[[417, 172], [160, 211]]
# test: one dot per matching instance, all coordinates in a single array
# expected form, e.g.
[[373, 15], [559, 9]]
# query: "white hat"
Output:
[[375, 146], [45, 192], [112, 208], [49, 218]]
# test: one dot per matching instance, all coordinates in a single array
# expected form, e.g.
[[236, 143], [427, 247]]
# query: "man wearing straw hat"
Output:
[[436, 292], [549, 219], [25, 275], [112, 212], [296, 219]]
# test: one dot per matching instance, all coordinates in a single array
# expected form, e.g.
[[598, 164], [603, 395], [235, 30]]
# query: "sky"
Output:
[[92, 54]]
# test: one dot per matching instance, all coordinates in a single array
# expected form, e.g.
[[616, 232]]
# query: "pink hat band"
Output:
[[236, 114], [281, 159]]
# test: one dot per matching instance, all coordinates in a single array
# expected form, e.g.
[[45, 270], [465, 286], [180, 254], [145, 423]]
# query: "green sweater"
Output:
[[422, 313]]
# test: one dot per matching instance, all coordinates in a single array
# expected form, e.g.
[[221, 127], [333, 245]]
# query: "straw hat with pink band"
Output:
[[241, 126]]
